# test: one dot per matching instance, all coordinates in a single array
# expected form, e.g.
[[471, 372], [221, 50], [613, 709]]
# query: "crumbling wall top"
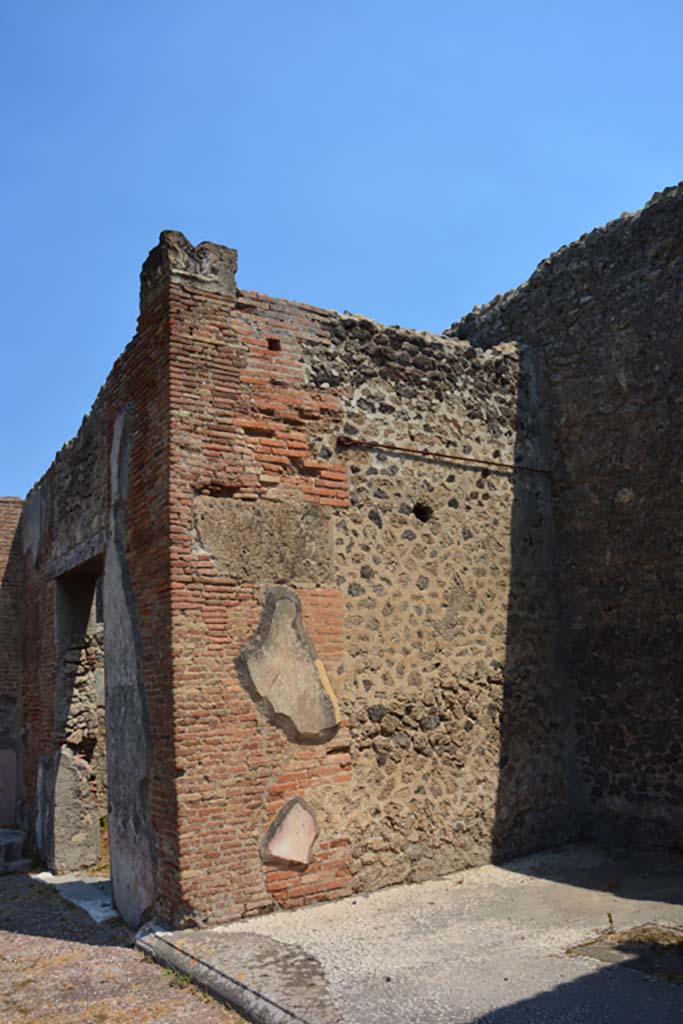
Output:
[[207, 266], [620, 253]]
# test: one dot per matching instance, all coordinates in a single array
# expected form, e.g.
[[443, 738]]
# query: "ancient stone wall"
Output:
[[101, 513], [605, 316], [350, 660], [72, 788], [61, 531], [10, 659], [377, 604], [459, 725], [241, 529]]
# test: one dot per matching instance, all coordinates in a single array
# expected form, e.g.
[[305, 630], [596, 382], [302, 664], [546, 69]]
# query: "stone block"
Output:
[[76, 822]]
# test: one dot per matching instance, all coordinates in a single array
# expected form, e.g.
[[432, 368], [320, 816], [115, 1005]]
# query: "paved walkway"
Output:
[[57, 967], [487, 946]]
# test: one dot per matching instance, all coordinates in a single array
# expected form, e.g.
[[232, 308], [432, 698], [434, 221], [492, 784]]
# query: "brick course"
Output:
[[10, 639]]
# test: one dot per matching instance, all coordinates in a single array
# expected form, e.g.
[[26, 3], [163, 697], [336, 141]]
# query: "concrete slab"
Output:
[[486, 946], [92, 893]]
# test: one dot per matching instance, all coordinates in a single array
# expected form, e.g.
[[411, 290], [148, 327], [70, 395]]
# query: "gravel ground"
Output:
[[57, 967]]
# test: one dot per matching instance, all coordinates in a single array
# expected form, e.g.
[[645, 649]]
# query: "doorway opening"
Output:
[[77, 833]]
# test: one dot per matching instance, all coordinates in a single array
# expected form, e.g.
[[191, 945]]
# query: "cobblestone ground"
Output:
[[57, 967]]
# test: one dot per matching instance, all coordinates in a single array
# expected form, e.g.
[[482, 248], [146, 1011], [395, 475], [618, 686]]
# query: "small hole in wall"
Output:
[[274, 345], [422, 511]]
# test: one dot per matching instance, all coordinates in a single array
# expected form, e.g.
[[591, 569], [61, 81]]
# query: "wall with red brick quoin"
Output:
[[325, 560]]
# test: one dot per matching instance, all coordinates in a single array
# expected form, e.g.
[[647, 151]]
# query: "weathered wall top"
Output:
[[587, 269], [207, 266], [603, 317]]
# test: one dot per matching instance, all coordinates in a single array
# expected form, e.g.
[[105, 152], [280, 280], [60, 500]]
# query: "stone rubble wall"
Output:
[[80, 801], [605, 317], [448, 675]]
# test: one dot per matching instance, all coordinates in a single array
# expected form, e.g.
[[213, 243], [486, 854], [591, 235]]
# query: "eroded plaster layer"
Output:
[[280, 668], [268, 541], [128, 742]]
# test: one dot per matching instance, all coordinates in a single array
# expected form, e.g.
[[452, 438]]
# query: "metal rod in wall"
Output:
[[344, 441]]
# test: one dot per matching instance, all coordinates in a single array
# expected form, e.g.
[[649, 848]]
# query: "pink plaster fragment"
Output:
[[294, 837]]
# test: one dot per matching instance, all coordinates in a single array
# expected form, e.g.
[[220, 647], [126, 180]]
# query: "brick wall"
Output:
[[241, 417], [67, 526], [10, 657], [415, 622]]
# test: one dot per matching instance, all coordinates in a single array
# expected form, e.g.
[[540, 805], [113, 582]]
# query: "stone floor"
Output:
[[58, 967], [495, 945]]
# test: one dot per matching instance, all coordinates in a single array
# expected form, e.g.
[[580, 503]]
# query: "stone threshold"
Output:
[[91, 893], [266, 981]]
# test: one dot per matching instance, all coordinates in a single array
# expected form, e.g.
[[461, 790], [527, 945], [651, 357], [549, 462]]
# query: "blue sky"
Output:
[[400, 160]]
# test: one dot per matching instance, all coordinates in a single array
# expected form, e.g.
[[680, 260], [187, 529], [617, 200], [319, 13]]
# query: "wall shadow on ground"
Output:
[[615, 993], [28, 908], [627, 874], [604, 996]]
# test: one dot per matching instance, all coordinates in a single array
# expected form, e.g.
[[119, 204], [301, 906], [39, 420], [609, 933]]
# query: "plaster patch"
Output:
[[290, 838], [281, 672], [128, 755], [266, 541]]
